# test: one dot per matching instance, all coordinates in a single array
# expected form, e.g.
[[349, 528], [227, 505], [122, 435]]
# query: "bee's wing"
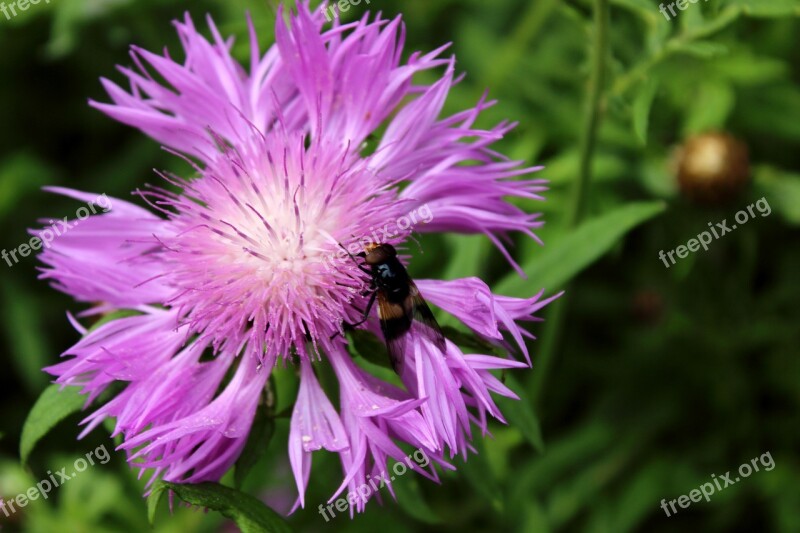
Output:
[[422, 314], [395, 323]]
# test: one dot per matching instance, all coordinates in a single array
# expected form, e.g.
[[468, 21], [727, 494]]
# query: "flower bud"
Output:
[[713, 168]]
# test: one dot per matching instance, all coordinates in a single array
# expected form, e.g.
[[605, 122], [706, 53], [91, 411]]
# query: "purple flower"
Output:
[[240, 270]]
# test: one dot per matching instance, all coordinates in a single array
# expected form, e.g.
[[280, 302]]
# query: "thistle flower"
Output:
[[233, 274]]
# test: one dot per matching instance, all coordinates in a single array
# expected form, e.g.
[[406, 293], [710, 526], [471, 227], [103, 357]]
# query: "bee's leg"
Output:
[[370, 303]]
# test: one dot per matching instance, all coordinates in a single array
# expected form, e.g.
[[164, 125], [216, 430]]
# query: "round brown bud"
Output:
[[713, 167]]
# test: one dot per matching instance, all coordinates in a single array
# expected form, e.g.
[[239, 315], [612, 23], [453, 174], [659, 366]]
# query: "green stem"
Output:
[[555, 317], [592, 118]]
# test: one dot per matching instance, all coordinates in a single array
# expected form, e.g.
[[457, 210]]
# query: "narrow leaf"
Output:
[[479, 473], [699, 49], [29, 347], [561, 261], [412, 501], [472, 341], [781, 190], [249, 513], [261, 433], [710, 107], [110, 317], [369, 347], [153, 499], [53, 406], [768, 8], [641, 109], [520, 414]]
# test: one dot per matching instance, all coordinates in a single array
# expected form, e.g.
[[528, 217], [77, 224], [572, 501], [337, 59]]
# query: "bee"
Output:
[[400, 303]]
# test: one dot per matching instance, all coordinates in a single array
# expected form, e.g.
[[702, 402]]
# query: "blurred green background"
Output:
[[646, 380]]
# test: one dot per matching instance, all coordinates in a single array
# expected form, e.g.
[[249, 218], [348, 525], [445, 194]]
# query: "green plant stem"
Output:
[[592, 118], [673, 46], [580, 193]]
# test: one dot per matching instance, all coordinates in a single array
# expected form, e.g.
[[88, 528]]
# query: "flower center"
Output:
[[254, 251]]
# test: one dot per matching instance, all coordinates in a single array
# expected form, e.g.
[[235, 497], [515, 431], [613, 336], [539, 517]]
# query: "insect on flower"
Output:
[[399, 302], [226, 277]]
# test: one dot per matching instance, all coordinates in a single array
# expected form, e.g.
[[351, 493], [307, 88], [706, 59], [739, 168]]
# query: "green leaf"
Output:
[[691, 19], [544, 472], [472, 341], [781, 190], [520, 414], [700, 49], [643, 8], [68, 20], [772, 113], [110, 317], [574, 495], [369, 347], [560, 262], [641, 109], [412, 501], [528, 24], [710, 107], [656, 177], [258, 440], [53, 406], [24, 331], [20, 174], [711, 26], [249, 513], [469, 255], [635, 501], [767, 8], [747, 69], [481, 476], [563, 167], [535, 518], [153, 500]]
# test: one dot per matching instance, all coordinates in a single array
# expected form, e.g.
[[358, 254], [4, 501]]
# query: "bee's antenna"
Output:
[[359, 265], [347, 252], [419, 246]]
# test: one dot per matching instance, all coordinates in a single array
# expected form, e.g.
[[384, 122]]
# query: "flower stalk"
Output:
[[580, 192]]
